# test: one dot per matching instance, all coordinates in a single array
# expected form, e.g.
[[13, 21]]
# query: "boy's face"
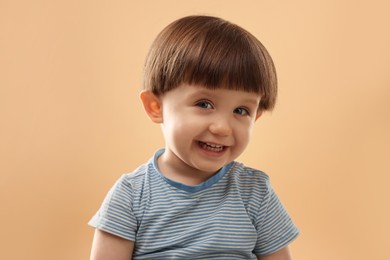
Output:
[[206, 129]]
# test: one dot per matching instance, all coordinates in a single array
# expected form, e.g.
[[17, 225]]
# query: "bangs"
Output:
[[212, 53], [229, 61]]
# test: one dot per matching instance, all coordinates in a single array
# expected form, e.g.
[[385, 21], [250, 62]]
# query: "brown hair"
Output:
[[211, 52]]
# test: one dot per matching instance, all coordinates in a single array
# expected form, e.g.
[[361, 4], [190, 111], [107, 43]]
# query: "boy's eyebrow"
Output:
[[201, 92], [253, 101]]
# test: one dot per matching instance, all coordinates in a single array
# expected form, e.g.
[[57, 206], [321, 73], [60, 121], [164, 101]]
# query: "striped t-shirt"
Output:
[[235, 214]]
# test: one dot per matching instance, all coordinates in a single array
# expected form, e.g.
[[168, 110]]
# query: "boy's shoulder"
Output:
[[132, 180], [249, 179], [138, 173], [246, 172]]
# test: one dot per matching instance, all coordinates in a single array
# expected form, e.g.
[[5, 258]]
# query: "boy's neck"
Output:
[[185, 175]]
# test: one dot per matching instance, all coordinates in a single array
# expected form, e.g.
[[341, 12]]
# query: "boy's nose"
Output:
[[220, 127]]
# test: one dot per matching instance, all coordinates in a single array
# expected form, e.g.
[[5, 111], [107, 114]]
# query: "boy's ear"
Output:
[[152, 106], [258, 115]]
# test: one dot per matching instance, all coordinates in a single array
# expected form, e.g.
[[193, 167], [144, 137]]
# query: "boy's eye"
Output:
[[204, 104], [241, 111]]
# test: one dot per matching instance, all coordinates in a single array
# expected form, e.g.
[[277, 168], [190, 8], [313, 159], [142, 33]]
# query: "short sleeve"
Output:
[[116, 215], [274, 226]]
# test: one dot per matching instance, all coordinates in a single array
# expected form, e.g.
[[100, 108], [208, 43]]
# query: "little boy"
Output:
[[206, 82]]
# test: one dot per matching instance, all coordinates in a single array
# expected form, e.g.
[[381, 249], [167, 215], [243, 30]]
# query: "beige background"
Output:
[[71, 121]]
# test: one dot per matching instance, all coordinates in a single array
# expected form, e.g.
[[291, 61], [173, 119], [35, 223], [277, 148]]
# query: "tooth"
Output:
[[212, 147]]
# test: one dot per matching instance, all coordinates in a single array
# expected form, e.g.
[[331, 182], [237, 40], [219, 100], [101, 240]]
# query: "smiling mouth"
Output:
[[211, 147]]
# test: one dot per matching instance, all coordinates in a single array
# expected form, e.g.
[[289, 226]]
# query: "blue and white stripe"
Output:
[[233, 215]]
